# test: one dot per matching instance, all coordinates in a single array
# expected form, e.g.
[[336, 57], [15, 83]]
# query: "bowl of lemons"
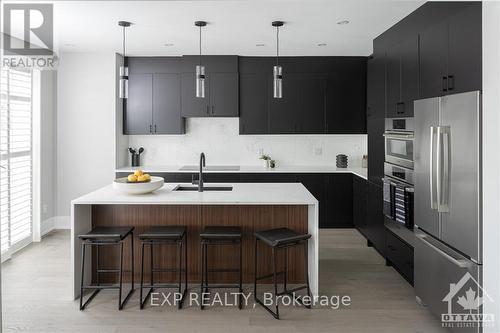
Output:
[[138, 183]]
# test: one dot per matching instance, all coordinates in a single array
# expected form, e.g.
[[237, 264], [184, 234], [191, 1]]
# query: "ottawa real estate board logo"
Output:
[[28, 36], [465, 302]]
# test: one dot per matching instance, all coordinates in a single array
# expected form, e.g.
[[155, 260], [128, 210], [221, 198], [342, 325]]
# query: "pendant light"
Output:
[[123, 83], [277, 69], [200, 70]]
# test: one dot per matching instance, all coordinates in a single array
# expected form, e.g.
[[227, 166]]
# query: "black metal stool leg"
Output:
[[179, 256], [255, 270], [285, 274], [275, 280], [142, 276], [83, 276], [132, 258], [306, 260], [97, 263], [120, 281], [202, 274], [240, 296]]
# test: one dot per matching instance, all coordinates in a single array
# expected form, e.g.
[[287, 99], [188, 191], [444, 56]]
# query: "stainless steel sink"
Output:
[[205, 188]]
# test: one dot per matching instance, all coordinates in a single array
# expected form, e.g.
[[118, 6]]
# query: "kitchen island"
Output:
[[253, 206]]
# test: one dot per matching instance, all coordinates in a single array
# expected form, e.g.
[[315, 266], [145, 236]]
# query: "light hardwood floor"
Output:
[[36, 288]]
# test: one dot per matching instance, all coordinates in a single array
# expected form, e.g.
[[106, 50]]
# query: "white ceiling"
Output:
[[234, 26]]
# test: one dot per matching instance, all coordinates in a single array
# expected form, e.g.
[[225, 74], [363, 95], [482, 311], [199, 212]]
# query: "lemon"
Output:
[[132, 178], [148, 177], [138, 173], [142, 178]]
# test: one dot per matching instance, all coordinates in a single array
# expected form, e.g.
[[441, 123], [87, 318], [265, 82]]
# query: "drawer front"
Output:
[[400, 255]]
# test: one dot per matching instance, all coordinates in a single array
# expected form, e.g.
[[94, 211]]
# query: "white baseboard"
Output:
[[55, 222]]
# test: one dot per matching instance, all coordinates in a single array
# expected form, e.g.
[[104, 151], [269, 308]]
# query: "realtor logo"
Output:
[[28, 29], [465, 300]]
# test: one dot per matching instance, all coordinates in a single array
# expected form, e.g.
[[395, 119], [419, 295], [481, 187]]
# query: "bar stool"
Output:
[[220, 235], [102, 236], [281, 238], [174, 235]]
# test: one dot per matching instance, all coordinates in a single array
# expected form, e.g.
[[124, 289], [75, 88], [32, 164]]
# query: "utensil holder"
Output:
[[136, 160]]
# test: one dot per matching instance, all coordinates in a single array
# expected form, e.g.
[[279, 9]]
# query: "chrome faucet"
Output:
[[200, 176]]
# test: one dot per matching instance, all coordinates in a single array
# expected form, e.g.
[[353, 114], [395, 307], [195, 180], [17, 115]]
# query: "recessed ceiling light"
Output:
[[260, 44], [169, 44], [343, 22], [322, 44]]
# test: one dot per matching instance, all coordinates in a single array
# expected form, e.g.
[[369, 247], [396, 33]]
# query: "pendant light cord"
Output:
[[124, 42], [200, 45], [277, 45]]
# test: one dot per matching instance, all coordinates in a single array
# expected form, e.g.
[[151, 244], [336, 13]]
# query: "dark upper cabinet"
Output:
[[283, 112], [376, 117], [138, 111], [433, 60], [345, 97], [310, 117], [375, 229], [402, 78], [154, 102], [338, 201], [254, 93], [167, 104], [321, 95], [192, 106], [465, 50], [221, 87], [359, 193], [223, 94], [450, 54]]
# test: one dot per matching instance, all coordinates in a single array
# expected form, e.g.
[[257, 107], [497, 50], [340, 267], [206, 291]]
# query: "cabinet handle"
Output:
[[451, 82], [400, 108], [212, 109], [208, 109], [155, 128], [151, 129], [445, 83]]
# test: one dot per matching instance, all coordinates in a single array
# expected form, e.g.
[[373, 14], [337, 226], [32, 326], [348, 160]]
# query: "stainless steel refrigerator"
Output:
[[447, 200]]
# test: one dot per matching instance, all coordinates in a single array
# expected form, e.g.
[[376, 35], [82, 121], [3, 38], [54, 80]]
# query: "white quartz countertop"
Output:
[[242, 194], [361, 172]]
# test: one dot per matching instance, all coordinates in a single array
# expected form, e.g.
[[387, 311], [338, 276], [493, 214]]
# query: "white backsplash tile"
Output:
[[219, 139]]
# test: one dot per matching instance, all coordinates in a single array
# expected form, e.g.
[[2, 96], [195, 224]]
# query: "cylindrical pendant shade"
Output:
[[277, 82], [200, 81], [123, 83]]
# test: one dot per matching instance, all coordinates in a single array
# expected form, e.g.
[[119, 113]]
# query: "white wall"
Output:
[[491, 160], [219, 139], [85, 125]]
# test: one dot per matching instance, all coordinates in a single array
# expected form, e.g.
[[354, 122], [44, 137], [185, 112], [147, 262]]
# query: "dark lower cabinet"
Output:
[[338, 200], [375, 230], [267, 178], [399, 255], [359, 194], [315, 183]]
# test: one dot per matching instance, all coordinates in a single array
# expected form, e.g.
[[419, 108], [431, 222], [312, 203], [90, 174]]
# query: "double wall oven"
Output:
[[398, 170]]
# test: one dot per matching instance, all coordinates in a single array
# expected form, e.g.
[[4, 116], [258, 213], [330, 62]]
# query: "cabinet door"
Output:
[[375, 230], [393, 80], [375, 117], [346, 98], [254, 93], [139, 105], [191, 105], [408, 51], [465, 50], [167, 104], [359, 186], [219, 177], [433, 60], [223, 94], [311, 112], [283, 111], [315, 183], [339, 200], [267, 177]]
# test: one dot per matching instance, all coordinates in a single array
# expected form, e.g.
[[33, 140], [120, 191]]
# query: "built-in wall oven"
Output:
[[398, 171]]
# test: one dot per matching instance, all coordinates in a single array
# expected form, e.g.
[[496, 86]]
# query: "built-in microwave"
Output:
[[399, 141]]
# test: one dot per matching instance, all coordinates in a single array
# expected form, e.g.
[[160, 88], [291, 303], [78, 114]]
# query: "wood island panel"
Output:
[[251, 218]]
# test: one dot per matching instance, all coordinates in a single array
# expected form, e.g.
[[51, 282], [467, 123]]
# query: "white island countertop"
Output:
[[358, 171], [242, 194]]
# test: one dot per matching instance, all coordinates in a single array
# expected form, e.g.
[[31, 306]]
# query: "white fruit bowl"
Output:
[[122, 185]]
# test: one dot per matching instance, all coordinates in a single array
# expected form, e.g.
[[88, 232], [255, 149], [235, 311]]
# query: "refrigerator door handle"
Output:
[[444, 194], [432, 168], [439, 167], [462, 263]]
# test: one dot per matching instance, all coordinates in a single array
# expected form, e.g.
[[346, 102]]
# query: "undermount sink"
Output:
[[205, 188]]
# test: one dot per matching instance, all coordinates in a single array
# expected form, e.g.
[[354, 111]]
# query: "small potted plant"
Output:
[[265, 160]]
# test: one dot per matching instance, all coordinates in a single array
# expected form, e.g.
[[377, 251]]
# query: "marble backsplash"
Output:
[[219, 139]]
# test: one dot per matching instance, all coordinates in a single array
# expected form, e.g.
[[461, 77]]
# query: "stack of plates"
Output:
[[342, 161]]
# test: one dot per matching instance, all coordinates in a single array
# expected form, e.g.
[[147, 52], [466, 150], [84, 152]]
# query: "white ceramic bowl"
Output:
[[121, 185]]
